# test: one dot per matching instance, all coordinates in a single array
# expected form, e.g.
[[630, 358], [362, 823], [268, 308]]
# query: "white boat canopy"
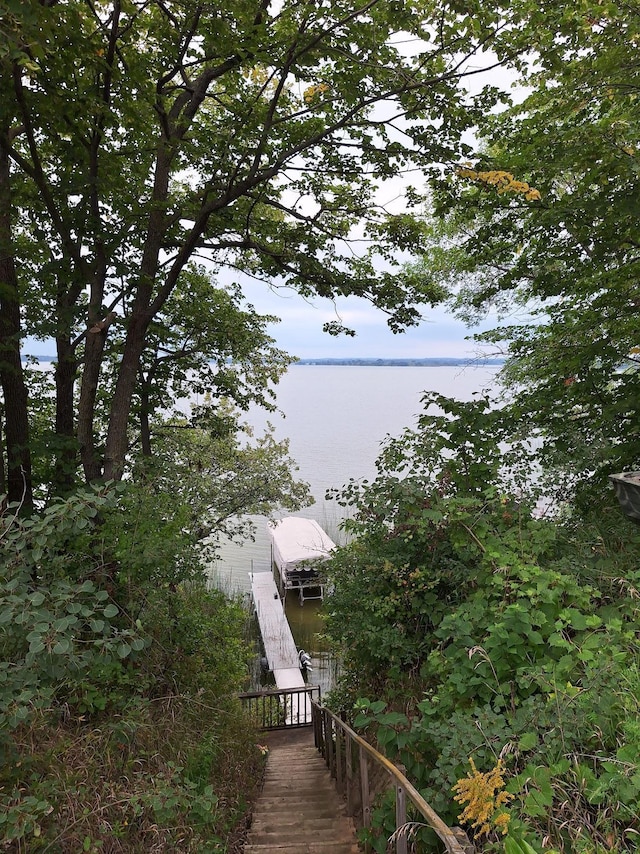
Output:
[[298, 544]]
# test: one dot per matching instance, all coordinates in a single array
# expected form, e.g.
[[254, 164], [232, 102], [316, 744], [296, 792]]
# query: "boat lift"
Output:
[[298, 547]]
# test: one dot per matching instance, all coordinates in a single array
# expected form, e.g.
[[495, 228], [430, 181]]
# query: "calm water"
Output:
[[335, 418]]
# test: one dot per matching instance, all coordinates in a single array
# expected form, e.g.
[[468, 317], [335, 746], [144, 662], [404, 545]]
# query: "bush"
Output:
[[474, 630], [119, 729]]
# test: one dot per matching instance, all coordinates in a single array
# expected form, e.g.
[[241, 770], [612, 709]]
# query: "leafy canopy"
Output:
[[559, 267], [255, 136]]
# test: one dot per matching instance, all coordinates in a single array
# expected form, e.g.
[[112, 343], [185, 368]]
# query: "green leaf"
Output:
[[111, 610], [62, 646], [392, 719], [36, 646], [528, 741], [123, 649], [537, 803]]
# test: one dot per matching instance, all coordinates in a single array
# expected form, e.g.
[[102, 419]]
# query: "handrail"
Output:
[[281, 708], [324, 724], [274, 692]]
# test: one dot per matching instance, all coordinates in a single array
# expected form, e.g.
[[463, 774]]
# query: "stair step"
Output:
[[280, 837], [299, 810], [284, 812], [296, 805], [311, 773], [303, 793], [270, 824], [303, 848]]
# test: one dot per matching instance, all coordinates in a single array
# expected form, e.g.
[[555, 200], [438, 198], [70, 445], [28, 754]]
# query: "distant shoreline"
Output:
[[401, 363], [434, 362]]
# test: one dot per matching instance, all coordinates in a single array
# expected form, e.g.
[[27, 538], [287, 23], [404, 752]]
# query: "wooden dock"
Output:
[[279, 646]]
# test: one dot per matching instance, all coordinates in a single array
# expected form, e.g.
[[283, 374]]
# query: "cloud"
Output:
[[299, 331]]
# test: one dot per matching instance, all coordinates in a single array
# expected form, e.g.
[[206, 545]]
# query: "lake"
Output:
[[336, 418]]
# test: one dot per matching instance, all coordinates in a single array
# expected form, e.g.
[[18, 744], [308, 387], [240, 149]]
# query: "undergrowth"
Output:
[[120, 730], [485, 643]]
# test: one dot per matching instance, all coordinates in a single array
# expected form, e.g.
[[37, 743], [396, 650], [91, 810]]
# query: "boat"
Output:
[[298, 548]]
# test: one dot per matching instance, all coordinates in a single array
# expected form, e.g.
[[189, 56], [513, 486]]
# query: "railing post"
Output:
[[329, 745], [401, 819], [325, 749], [364, 789], [319, 731], [339, 761], [348, 750]]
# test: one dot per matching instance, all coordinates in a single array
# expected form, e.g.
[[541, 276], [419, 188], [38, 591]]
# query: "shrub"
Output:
[[119, 729], [475, 630]]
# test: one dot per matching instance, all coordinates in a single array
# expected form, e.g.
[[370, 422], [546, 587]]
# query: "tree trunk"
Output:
[[145, 412], [3, 475], [19, 486], [117, 439], [142, 315], [66, 450], [93, 354]]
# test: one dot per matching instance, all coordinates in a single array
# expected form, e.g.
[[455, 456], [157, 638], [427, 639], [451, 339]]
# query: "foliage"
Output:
[[218, 470], [57, 630], [559, 269], [117, 720], [487, 633], [138, 137], [419, 529], [127, 783]]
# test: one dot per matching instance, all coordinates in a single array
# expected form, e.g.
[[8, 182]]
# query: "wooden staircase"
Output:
[[299, 810]]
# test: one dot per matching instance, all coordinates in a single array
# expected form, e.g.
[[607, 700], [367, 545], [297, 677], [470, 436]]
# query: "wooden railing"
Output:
[[350, 759], [281, 708]]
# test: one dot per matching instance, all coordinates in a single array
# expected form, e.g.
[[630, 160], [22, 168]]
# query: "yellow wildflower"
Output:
[[484, 797]]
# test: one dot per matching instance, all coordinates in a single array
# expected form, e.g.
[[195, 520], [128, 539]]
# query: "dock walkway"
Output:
[[279, 646]]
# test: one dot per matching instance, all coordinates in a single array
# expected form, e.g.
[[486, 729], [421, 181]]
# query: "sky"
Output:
[[439, 335], [300, 332], [300, 329]]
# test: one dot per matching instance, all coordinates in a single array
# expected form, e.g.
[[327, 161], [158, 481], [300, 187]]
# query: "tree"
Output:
[[140, 135], [209, 479], [414, 533], [546, 224]]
